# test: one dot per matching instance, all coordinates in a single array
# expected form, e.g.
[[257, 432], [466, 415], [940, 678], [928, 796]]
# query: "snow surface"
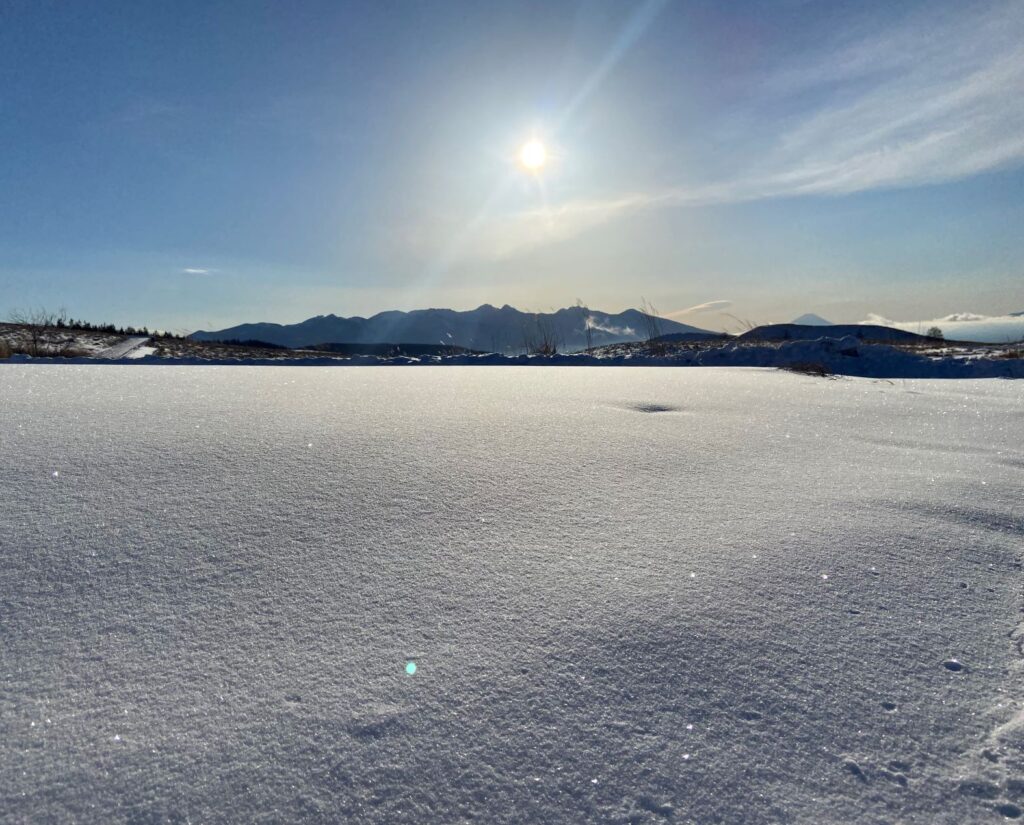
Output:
[[128, 348], [629, 595], [140, 352]]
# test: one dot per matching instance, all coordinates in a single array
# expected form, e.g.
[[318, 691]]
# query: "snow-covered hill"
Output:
[[795, 332], [642, 596]]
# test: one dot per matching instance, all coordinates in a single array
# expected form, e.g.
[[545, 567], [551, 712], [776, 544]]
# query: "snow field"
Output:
[[630, 595]]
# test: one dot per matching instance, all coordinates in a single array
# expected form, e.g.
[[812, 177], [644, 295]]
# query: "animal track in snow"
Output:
[[852, 767]]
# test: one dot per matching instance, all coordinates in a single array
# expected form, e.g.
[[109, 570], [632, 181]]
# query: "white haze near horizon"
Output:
[[963, 326]]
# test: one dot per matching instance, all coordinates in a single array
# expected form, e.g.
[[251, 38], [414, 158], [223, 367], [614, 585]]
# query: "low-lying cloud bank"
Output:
[[963, 326]]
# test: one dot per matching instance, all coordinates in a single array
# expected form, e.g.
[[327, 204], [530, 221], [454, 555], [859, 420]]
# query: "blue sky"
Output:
[[202, 164]]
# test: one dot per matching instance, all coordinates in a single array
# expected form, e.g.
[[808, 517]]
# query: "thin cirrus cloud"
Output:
[[930, 102], [707, 306], [195, 270]]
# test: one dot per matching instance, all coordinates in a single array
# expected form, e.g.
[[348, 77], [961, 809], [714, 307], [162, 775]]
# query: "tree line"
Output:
[[43, 319]]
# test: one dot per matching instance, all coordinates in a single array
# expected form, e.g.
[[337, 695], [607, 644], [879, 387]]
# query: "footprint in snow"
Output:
[[1015, 788], [980, 788], [854, 769], [665, 809]]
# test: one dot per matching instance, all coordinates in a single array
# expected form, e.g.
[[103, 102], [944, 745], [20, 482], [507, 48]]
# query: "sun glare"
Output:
[[533, 155]]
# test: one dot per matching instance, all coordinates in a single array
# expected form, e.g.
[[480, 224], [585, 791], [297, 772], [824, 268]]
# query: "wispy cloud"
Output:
[[949, 109], [195, 270], [934, 100], [708, 306], [502, 236]]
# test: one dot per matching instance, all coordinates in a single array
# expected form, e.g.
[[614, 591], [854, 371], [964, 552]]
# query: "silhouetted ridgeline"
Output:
[[487, 328], [806, 332]]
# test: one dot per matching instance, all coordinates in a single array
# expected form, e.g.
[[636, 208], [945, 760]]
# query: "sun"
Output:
[[533, 155]]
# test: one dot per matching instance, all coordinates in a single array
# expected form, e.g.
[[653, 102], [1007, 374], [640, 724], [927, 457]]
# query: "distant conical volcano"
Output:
[[811, 320]]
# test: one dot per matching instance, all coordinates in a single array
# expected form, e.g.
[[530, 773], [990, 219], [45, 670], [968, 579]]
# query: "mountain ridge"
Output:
[[496, 329]]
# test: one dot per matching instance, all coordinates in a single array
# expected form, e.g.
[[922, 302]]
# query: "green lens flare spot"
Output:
[[410, 668]]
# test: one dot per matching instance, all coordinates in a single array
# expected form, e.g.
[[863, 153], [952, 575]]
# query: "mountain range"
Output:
[[489, 328]]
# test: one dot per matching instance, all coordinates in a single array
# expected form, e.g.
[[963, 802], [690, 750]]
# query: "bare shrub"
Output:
[[45, 332], [588, 324], [34, 324], [652, 328], [540, 336], [744, 323], [652, 323]]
